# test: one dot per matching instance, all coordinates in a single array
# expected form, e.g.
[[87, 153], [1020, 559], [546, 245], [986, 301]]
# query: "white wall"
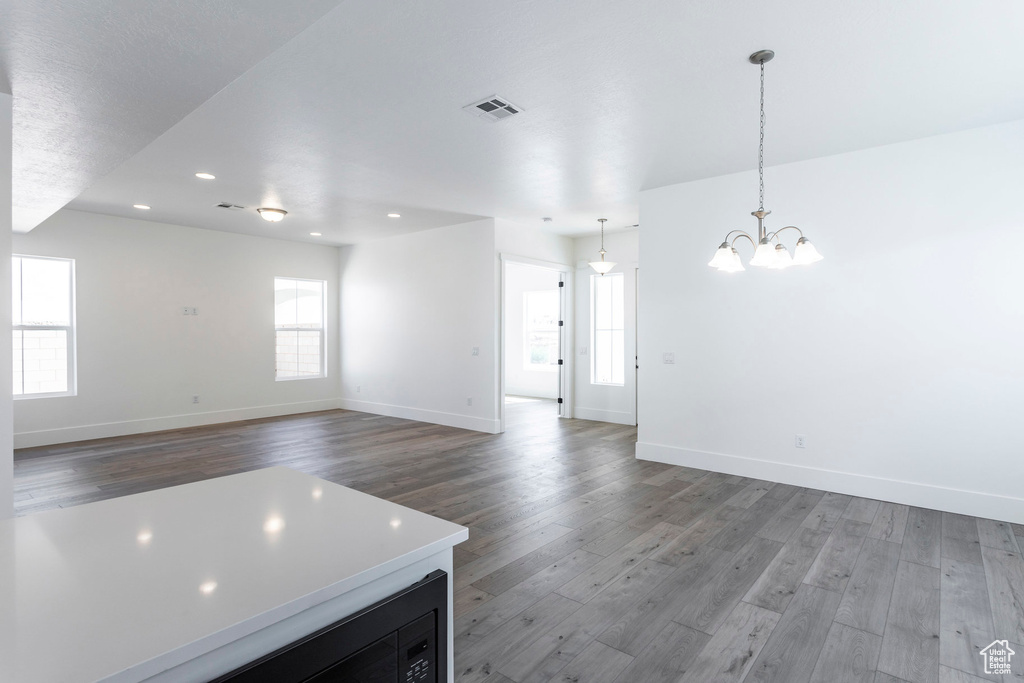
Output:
[[898, 356], [6, 421], [140, 360], [597, 401], [413, 307], [520, 378]]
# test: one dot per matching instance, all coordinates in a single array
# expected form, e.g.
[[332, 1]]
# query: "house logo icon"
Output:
[[997, 657]]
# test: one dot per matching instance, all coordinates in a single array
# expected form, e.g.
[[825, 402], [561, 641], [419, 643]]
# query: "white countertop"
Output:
[[145, 582]]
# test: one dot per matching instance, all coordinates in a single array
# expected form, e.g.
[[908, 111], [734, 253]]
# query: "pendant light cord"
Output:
[[760, 149]]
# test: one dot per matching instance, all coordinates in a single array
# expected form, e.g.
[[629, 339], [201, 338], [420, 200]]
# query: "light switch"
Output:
[[476, 350], [668, 358], [583, 350]]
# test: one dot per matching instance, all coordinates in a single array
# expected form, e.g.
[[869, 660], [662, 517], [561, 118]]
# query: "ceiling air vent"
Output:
[[493, 108], [229, 205]]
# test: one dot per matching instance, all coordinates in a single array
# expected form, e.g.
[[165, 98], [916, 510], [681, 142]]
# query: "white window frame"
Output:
[[323, 330], [594, 330], [69, 330]]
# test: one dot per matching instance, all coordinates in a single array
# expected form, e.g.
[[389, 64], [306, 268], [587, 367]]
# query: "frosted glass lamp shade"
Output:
[[805, 252], [723, 256], [602, 266], [782, 258], [764, 255], [734, 265]]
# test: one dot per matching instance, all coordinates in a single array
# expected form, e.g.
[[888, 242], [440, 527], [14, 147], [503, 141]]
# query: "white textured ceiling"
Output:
[[360, 114], [95, 81]]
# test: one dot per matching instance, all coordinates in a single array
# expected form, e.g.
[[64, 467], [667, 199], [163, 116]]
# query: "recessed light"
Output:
[[315, 234], [207, 587], [205, 176], [272, 215], [394, 215], [141, 206]]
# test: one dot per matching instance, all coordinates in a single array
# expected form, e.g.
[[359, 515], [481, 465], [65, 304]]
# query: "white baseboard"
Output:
[[476, 424], [976, 503], [47, 437], [614, 416]]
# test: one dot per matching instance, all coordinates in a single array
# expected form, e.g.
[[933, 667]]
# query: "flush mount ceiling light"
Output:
[[602, 266], [141, 206], [205, 176], [769, 252], [272, 215], [394, 215], [315, 234]]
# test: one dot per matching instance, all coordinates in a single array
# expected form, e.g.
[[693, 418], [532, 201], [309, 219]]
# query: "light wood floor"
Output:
[[587, 565]]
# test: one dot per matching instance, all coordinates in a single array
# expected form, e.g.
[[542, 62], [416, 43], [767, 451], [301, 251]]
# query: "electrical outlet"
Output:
[[583, 350], [801, 441], [195, 398], [195, 311], [476, 350], [469, 401], [668, 358], [359, 388]]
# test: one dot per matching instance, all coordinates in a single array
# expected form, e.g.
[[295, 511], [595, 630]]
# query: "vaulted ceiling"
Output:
[[342, 112]]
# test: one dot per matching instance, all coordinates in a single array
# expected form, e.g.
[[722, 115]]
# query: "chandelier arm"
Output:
[[742, 234], [774, 235]]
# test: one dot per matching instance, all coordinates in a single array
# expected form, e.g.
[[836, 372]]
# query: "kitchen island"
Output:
[[190, 582]]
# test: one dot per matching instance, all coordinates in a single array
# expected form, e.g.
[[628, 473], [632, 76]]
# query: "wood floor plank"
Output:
[[947, 675], [865, 604], [890, 522], [594, 580], [910, 645], [478, 661], [960, 540], [468, 599], [598, 663], [849, 655], [716, 599], [827, 512], [922, 541], [778, 583], [667, 657], [790, 517], [635, 629], [793, 647], [489, 615], [549, 654], [862, 510], [731, 652], [518, 570], [834, 564], [965, 616], [997, 535], [733, 536], [1004, 577]]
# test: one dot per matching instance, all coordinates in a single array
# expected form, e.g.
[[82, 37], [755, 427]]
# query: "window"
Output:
[[43, 308], [541, 329], [607, 331], [299, 319]]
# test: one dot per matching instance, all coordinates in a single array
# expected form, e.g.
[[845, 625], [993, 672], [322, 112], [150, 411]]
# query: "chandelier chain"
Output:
[[760, 149]]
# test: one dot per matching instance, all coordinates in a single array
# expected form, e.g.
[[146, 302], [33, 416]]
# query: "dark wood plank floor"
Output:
[[585, 564]]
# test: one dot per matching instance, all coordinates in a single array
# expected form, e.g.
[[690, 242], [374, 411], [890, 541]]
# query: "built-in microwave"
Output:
[[395, 640]]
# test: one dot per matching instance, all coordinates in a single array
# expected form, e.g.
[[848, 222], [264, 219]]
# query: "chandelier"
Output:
[[769, 251], [602, 266]]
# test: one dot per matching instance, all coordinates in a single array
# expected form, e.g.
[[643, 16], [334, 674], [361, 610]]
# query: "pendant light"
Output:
[[769, 251], [602, 266]]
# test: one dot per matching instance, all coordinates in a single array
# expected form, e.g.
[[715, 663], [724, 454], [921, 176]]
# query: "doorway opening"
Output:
[[536, 369]]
